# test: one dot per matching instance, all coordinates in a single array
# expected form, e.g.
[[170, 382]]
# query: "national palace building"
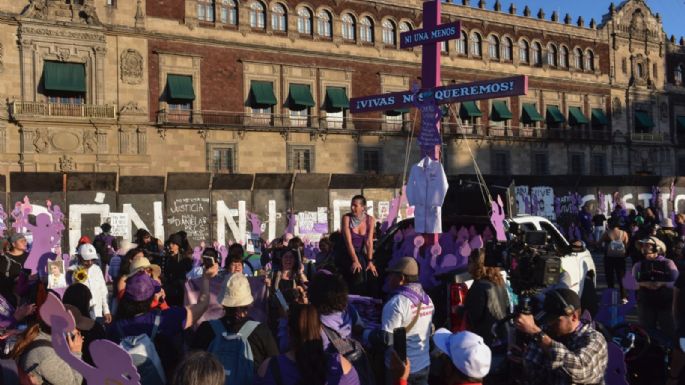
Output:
[[148, 87]]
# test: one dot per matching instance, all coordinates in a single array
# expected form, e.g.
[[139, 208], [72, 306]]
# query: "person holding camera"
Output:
[[567, 351], [655, 275]]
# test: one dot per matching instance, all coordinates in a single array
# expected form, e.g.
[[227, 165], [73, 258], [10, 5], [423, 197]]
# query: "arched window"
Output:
[[279, 18], [348, 27], [524, 52], [476, 45], [589, 61], [678, 74], [537, 54], [640, 71], [462, 44], [507, 52], [324, 27], [578, 59], [563, 57], [304, 21], [366, 30], [493, 47], [388, 32], [257, 15], [229, 12], [552, 55], [205, 10]]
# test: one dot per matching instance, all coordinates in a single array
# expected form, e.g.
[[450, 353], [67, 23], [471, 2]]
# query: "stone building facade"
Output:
[[147, 87]]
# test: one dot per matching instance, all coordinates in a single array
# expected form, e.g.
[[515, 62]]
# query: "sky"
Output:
[[672, 11]]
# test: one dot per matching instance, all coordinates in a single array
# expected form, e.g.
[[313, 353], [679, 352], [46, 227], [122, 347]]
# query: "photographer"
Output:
[[655, 274], [567, 351]]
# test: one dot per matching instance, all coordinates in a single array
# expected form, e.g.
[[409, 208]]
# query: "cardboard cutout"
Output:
[[113, 365]]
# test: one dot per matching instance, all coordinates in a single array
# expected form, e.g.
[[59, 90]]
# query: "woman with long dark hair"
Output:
[[37, 360], [306, 362], [357, 258], [487, 301]]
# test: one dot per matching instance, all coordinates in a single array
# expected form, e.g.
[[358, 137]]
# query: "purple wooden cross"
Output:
[[433, 33]]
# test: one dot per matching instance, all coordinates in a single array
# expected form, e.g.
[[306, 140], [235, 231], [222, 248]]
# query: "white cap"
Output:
[[467, 351], [87, 252], [125, 247], [236, 292]]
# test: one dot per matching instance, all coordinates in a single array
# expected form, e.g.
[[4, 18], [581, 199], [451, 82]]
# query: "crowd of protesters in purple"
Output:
[[312, 333]]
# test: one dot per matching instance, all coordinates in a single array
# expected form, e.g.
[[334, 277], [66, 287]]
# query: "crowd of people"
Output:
[[311, 326]]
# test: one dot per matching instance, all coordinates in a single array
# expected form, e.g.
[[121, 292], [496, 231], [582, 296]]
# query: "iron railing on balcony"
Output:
[[265, 121], [21, 108], [241, 119], [526, 132], [650, 137]]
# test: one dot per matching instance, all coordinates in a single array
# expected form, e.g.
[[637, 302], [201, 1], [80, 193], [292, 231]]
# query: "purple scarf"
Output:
[[414, 292]]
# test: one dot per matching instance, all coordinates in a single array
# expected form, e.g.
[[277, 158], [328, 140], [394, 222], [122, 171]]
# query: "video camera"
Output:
[[527, 257]]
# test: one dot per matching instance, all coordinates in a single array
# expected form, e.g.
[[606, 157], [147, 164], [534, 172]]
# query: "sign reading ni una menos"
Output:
[[442, 32]]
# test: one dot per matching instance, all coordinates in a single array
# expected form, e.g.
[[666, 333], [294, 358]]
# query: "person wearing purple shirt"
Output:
[[135, 317], [329, 294], [306, 362]]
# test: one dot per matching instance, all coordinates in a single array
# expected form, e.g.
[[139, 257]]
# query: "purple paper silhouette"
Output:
[[465, 250], [418, 242], [655, 196], [487, 235], [393, 212], [256, 224], [46, 235], [292, 222], [462, 234], [113, 365], [3, 221], [476, 242], [497, 219], [435, 252], [21, 213], [197, 254], [671, 195]]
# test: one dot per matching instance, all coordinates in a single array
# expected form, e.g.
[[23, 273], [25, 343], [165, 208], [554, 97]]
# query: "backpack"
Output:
[[354, 352], [142, 350], [234, 352], [616, 248]]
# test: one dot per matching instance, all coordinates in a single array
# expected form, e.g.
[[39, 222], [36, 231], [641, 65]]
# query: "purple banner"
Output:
[[454, 93], [430, 117], [442, 32]]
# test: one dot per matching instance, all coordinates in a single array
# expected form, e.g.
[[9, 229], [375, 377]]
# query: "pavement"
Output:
[[598, 257]]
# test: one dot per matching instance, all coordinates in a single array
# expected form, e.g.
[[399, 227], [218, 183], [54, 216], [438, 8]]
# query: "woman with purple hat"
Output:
[[134, 316]]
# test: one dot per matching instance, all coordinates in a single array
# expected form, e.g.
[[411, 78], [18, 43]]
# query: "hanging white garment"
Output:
[[426, 191]]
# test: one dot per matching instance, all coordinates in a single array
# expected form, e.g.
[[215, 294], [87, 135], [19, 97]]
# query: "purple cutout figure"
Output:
[[113, 365], [497, 219], [46, 235], [3, 221], [256, 224]]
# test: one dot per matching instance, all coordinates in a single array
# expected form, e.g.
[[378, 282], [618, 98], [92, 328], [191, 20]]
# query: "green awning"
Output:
[[65, 77], [554, 115], [530, 114], [500, 111], [180, 87], [599, 118], [397, 112], [680, 122], [336, 99], [576, 116], [469, 110], [643, 120], [262, 94], [300, 97]]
